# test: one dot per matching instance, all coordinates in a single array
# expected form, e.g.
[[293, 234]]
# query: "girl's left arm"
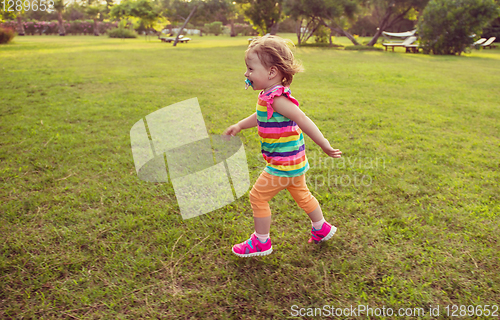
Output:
[[287, 108]]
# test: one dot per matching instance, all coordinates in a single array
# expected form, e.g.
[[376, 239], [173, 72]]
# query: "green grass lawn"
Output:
[[415, 196]]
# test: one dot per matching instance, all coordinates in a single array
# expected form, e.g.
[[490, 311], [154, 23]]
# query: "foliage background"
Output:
[[449, 27]]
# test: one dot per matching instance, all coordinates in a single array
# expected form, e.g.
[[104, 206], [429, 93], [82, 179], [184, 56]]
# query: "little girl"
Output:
[[270, 68]]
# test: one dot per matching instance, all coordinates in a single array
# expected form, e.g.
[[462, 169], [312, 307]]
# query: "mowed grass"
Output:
[[415, 196]]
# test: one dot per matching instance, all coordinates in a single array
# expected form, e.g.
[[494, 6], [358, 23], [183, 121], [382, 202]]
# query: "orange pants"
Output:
[[267, 186]]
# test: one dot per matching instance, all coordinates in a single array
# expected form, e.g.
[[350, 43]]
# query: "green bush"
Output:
[[121, 33], [321, 34], [214, 28], [448, 26], [6, 35], [245, 29], [80, 27]]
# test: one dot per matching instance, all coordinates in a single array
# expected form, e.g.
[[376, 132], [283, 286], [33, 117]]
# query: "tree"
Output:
[[336, 15], [93, 12], [146, 11], [330, 13], [15, 15], [393, 11], [265, 15], [59, 6], [224, 11], [447, 26], [122, 10], [304, 10], [493, 29], [108, 6], [232, 14], [194, 10]]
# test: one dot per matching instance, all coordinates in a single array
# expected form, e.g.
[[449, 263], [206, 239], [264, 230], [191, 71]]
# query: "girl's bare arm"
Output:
[[246, 123]]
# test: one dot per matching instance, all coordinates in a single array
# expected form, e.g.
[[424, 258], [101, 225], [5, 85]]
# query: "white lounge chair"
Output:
[[412, 48], [489, 43], [182, 39], [478, 42], [407, 43], [398, 36]]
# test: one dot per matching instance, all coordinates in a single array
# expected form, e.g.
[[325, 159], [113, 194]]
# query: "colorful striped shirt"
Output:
[[281, 139]]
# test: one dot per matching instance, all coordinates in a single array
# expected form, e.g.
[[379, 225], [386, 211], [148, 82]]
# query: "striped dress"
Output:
[[281, 139]]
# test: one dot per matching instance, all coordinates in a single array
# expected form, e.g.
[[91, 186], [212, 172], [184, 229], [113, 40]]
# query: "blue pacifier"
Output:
[[248, 83]]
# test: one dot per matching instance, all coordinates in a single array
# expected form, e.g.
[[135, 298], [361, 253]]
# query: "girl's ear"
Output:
[[273, 72]]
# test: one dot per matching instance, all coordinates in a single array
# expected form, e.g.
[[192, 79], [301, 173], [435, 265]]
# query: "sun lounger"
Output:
[[412, 48], [400, 36], [408, 42], [478, 42], [171, 39], [489, 43]]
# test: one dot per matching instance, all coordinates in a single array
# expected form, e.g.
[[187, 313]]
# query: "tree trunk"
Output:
[[297, 30], [276, 23], [274, 28], [382, 25], [96, 32], [350, 37], [20, 27], [309, 29], [310, 34], [233, 32], [375, 37], [341, 31], [185, 22], [62, 31], [386, 24]]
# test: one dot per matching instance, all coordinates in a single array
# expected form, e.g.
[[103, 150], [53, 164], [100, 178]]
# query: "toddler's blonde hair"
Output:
[[275, 51]]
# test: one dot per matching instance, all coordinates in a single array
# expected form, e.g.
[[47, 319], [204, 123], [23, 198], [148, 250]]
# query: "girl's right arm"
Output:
[[246, 123]]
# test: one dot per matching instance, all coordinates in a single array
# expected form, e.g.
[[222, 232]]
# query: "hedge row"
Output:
[[76, 27], [84, 27]]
